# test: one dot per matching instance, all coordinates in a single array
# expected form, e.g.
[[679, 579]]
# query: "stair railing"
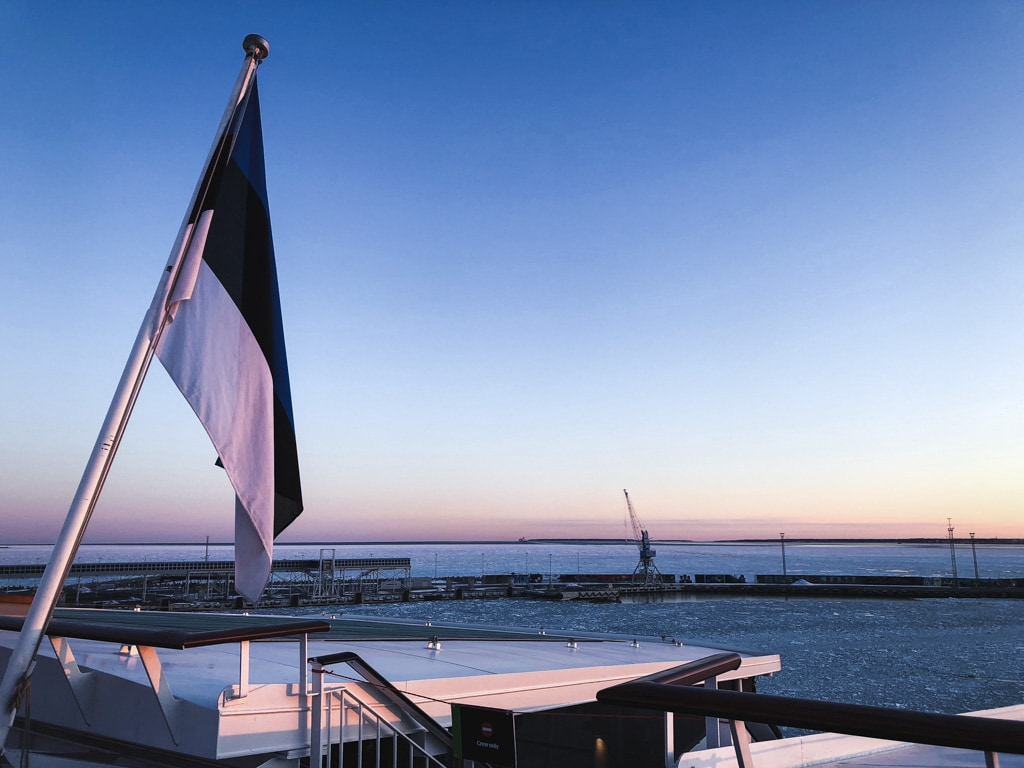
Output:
[[420, 723], [369, 727]]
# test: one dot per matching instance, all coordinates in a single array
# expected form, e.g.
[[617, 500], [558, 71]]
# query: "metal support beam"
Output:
[[741, 743], [712, 735], [243, 669], [170, 707], [316, 726], [82, 684], [670, 740], [303, 672]]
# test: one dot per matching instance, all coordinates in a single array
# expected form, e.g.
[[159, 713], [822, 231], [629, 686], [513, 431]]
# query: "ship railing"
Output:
[[341, 707], [423, 738], [142, 633], [675, 692]]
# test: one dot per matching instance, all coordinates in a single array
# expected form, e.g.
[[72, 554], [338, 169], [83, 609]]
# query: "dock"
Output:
[[209, 584], [200, 585]]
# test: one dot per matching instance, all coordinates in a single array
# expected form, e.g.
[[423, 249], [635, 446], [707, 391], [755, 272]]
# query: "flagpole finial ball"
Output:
[[256, 46]]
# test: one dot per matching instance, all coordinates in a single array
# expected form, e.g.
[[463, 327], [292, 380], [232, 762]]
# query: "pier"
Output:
[[209, 585]]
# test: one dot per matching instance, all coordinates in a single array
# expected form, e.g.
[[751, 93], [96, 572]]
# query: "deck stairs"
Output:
[[366, 721], [354, 734]]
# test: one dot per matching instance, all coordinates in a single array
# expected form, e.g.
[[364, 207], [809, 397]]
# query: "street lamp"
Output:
[[974, 552]]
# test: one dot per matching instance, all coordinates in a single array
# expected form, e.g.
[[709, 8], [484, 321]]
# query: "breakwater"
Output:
[[209, 585]]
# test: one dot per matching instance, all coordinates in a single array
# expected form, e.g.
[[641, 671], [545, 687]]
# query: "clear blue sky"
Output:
[[759, 263]]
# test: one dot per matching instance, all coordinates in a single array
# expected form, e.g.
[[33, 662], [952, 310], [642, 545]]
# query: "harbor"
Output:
[[732, 257], [329, 580]]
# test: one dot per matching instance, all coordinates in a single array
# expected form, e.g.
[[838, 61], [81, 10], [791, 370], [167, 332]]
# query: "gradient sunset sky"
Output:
[[760, 263]]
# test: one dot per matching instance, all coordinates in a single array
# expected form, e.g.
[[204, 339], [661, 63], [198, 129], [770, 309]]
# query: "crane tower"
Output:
[[646, 572]]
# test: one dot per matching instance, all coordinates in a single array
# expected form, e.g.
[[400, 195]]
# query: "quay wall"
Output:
[[209, 585]]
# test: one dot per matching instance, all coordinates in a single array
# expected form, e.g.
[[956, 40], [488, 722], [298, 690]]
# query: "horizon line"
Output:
[[554, 540]]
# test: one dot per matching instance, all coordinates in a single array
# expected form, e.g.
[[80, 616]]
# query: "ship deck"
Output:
[[228, 686], [250, 692]]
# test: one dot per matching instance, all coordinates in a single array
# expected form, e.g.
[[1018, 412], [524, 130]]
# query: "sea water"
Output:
[[551, 559], [939, 655]]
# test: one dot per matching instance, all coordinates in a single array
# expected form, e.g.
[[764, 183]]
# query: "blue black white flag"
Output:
[[224, 344]]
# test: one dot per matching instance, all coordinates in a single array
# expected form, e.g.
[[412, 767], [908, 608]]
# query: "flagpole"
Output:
[[22, 659]]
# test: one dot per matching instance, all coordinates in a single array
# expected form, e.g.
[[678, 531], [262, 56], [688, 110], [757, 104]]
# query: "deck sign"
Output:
[[484, 734]]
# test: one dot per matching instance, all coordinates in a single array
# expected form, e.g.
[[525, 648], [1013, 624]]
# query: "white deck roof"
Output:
[[199, 711]]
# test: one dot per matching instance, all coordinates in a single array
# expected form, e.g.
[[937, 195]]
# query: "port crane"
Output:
[[646, 572]]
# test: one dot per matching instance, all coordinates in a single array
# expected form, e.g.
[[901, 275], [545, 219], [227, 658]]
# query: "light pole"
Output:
[[974, 552], [782, 540], [952, 551]]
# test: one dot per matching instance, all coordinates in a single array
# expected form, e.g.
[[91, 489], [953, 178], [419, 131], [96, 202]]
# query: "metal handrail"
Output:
[[388, 691], [706, 671], [366, 712], [987, 734], [692, 672]]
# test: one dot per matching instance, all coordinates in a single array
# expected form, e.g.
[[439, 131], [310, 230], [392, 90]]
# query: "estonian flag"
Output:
[[224, 344]]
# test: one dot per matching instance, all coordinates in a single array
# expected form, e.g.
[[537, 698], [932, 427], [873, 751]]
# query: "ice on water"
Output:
[[950, 655]]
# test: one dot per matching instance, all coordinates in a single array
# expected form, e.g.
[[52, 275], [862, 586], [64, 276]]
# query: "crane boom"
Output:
[[646, 571], [638, 532]]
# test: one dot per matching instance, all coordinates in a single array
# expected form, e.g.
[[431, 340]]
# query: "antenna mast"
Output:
[[952, 551]]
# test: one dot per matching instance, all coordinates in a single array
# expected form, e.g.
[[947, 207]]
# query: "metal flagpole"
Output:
[[22, 660]]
